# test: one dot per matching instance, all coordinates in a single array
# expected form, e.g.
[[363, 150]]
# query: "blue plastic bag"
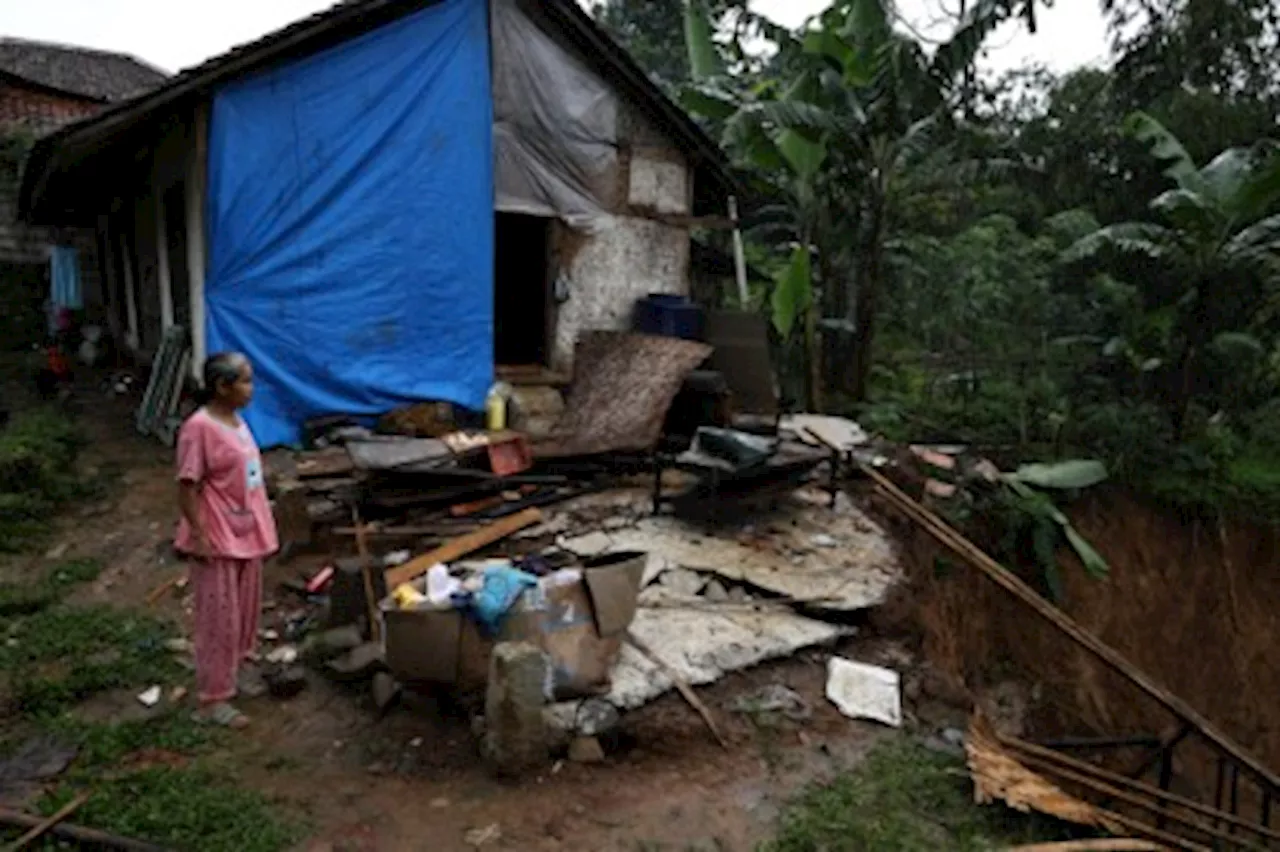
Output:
[[502, 587]]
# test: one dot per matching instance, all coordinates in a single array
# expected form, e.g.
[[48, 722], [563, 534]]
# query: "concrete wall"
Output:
[[631, 254]]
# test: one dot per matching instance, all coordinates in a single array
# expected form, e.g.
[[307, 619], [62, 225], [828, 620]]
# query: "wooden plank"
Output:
[[681, 686], [194, 196], [88, 836], [462, 510], [1105, 844], [972, 554], [43, 828], [458, 547]]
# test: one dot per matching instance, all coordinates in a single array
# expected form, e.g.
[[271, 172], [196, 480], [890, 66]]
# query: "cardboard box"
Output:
[[580, 625]]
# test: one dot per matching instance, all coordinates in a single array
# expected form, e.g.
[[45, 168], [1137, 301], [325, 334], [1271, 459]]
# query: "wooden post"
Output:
[[194, 196], [163, 280], [130, 293]]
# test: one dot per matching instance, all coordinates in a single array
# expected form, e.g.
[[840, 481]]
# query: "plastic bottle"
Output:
[[495, 407]]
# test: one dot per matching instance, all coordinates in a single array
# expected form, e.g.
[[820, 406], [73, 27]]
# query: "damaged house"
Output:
[[42, 87], [390, 201]]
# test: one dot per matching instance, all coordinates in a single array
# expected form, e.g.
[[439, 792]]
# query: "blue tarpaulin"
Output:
[[350, 211]]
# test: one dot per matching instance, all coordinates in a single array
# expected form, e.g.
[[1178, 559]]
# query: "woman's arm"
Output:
[[189, 504]]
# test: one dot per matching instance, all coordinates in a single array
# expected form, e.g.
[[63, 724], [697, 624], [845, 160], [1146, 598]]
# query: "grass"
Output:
[[160, 778], [903, 798], [38, 450], [184, 807], [62, 655]]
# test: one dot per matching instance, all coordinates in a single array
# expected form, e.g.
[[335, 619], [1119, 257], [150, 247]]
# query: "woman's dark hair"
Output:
[[220, 368]]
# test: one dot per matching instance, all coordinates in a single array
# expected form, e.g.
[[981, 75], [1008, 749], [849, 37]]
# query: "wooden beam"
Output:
[[194, 195], [130, 292], [1117, 662], [681, 686], [88, 836], [44, 828], [459, 547], [164, 281]]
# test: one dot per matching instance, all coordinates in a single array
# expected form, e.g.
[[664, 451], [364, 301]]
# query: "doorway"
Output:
[[522, 305]]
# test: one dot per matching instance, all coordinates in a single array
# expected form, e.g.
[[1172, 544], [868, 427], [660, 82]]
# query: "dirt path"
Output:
[[412, 780]]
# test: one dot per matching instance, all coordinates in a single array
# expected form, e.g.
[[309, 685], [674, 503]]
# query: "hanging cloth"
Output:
[[64, 273]]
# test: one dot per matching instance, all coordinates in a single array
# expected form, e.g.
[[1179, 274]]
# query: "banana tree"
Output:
[[1208, 262], [837, 141]]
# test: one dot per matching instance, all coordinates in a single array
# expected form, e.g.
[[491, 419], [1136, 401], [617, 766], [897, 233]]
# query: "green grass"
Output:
[[55, 655], [903, 798], [38, 450], [62, 655], [25, 598], [193, 807]]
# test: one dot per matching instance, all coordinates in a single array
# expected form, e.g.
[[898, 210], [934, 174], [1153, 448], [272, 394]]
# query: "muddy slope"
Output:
[[1196, 604]]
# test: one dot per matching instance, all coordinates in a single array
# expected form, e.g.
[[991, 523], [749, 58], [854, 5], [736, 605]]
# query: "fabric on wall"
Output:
[[350, 210], [64, 276], [555, 124]]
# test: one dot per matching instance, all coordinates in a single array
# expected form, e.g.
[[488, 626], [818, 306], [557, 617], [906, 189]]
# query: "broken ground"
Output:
[[323, 771]]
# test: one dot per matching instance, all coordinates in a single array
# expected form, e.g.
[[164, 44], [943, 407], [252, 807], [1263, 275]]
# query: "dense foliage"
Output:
[[1048, 266]]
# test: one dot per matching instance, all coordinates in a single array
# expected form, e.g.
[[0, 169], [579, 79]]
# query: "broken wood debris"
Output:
[[1226, 747], [461, 546], [1103, 844], [1025, 775], [683, 688], [43, 828], [79, 834], [999, 776]]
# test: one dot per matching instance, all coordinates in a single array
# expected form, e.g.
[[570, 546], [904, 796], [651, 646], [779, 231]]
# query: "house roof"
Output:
[[79, 71], [345, 20]]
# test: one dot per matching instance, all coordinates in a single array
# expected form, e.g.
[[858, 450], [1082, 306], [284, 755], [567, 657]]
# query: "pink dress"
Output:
[[226, 464]]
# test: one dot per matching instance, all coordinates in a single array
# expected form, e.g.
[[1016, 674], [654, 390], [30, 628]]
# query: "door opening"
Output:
[[522, 290]]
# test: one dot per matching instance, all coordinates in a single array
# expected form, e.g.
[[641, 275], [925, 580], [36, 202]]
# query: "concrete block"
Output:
[[515, 737]]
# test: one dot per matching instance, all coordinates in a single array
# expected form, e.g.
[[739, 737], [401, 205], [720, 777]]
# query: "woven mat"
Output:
[[623, 386]]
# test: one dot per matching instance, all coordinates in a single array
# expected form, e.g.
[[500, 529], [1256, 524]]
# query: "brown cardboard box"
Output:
[[579, 625]]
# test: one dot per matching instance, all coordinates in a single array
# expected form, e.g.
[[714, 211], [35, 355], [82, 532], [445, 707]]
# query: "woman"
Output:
[[227, 530]]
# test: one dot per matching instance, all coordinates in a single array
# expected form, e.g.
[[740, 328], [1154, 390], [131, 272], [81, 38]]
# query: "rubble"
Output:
[[863, 691], [594, 604], [586, 750]]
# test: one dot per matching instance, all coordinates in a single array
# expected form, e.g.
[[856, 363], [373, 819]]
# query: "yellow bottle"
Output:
[[495, 408], [407, 596]]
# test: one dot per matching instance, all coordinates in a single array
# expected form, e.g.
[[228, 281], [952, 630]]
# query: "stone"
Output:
[[586, 750], [515, 738], [596, 717], [715, 592], [385, 690], [330, 643], [286, 682], [682, 581]]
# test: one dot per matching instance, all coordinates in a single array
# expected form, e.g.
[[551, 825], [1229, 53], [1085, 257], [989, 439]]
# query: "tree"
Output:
[[647, 28], [856, 123], [1205, 269]]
